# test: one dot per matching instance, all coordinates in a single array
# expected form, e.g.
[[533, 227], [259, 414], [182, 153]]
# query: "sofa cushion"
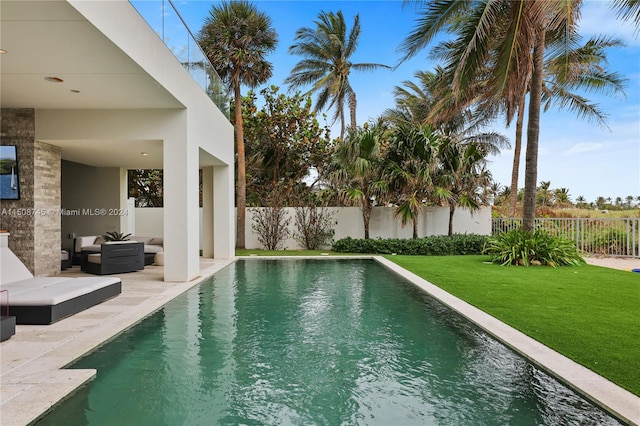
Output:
[[157, 241], [153, 249], [99, 240], [94, 247], [82, 242], [94, 258], [141, 239]]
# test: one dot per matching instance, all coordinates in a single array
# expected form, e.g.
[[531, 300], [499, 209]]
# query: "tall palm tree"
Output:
[[236, 37], [408, 165], [627, 10], [461, 175], [327, 50], [357, 168], [507, 37]]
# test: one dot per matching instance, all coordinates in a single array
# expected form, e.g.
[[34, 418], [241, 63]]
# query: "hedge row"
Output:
[[442, 245]]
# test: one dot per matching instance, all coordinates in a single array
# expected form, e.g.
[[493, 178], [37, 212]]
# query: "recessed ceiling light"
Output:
[[2, 51], [54, 79], [144, 154], [75, 91]]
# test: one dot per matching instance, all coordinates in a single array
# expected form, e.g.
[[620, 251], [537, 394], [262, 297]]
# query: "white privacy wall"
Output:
[[432, 221]]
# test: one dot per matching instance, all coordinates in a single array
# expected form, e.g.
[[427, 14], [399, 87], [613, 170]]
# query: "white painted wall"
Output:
[[433, 221]]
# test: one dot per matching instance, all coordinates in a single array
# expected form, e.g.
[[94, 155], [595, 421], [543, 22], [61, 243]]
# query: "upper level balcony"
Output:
[[163, 17]]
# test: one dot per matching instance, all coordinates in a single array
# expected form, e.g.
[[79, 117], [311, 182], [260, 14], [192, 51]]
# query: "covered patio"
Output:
[[84, 101]]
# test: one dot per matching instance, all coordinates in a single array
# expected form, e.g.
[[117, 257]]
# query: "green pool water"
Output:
[[313, 342]]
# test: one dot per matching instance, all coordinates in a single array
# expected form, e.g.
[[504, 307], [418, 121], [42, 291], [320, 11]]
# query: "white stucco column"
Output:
[[181, 211], [207, 212], [224, 224]]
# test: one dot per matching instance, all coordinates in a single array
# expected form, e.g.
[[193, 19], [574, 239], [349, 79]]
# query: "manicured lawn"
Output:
[[588, 313], [286, 252]]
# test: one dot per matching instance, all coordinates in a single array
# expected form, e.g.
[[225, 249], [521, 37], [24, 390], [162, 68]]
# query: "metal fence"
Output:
[[605, 237]]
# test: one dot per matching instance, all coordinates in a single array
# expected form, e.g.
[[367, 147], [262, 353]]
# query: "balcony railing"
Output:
[[163, 17]]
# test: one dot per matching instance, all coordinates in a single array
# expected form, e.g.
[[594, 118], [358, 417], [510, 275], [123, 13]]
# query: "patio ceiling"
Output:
[[51, 39]]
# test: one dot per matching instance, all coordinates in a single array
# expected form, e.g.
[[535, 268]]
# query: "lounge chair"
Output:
[[45, 300]]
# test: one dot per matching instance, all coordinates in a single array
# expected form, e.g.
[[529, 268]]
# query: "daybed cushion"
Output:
[[56, 293]]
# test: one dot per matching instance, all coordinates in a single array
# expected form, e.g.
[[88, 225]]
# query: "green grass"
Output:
[[588, 313], [287, 253]]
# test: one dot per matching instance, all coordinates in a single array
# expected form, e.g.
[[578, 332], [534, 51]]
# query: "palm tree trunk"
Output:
[[415, 227], [452, 209], [366, 216], [353, 103], [533, 134], [341, 114], [241, 184], [517, 149]]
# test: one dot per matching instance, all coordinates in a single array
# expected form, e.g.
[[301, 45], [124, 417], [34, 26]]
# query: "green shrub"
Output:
[[518, 247], [458, 244]]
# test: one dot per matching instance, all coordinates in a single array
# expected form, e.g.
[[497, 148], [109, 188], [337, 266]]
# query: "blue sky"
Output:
[[589, 160]]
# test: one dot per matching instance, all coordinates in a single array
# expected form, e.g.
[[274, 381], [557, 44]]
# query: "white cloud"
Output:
[[583, 147]]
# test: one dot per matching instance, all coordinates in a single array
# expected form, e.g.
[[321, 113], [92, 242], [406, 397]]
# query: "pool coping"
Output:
[[32, 385], [617, 401]]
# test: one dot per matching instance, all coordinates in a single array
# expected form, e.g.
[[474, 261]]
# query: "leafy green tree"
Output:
[[327, 50], [284, 143], [236, 38], [146, 187], [357, 168]]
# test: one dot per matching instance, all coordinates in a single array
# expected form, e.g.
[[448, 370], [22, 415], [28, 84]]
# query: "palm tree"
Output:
[[236, 38], [561, 197], [580, 201], [629, 201], [461, 175], [408, 166], [357, 168], [627, 10], [543, 194], [505, 40], [327, 50]]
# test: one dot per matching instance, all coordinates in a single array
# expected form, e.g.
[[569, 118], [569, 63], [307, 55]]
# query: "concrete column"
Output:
[[181, 211], [207, 213], [224, 224]]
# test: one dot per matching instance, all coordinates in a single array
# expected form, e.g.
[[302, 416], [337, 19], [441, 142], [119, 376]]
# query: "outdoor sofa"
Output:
[[115, 257], [91, 244], [45, 300]]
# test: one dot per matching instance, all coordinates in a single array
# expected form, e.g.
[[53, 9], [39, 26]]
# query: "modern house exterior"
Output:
[[89, 90]]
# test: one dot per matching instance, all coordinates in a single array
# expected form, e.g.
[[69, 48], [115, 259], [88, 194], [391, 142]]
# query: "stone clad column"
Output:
[[33, 220]]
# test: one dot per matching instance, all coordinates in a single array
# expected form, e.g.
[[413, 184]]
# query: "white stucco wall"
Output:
[[433, 221]]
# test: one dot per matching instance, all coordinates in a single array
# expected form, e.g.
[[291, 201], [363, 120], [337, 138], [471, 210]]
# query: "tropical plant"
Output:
[[327, 50], [116, 236], [522, 247], [407, 167], [627, 10], [357, 164], [500, 46], [236, 38]]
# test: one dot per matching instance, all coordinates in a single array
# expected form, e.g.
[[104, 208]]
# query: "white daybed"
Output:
[[44, 300]]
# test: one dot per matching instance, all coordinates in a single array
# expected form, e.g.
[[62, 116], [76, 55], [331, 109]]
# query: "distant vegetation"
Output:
[[6, 164]]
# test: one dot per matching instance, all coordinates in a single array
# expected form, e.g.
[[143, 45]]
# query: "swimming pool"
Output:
[[314, 342]]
